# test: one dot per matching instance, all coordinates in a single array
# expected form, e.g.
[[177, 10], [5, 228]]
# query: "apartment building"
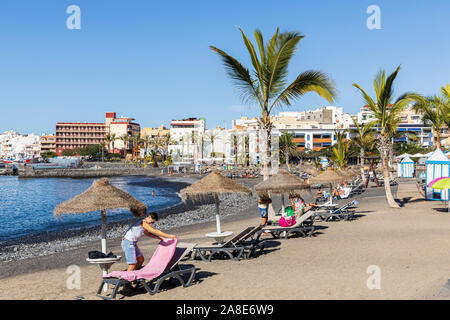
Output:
[[14, 145], [122, 126], [73, 135], [188, 134], [160, 131], [313, 129], [48, 143]]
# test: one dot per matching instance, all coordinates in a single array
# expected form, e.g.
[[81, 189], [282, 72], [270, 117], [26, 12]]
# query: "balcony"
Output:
[[321, 140]]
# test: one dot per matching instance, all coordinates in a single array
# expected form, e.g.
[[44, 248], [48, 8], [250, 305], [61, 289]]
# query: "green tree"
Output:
[[287, 146], [211, 136], [341, 150], [234, 144], [267, 84], [125, 139], [434, 111], [109, 139], [364, 138], [386, 113]]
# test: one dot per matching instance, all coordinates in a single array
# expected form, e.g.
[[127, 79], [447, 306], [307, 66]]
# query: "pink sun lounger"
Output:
[[163, 265]]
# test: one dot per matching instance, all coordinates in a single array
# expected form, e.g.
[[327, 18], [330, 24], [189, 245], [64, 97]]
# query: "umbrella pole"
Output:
[[104, 231], [282, 203], [104, 267], [216, 198]]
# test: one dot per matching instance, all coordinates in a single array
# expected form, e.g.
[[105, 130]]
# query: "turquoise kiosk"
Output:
[[323, 162], [437, 165], [406, 168]]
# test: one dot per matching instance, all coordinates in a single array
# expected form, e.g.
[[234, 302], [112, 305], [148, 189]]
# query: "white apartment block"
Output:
[[187, 135], [14, 145]]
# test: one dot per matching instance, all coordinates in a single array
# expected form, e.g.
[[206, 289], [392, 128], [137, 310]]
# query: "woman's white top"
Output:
[[263, 205], [134, 232]]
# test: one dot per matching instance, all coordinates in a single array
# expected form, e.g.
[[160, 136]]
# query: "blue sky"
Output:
[[150, 59]]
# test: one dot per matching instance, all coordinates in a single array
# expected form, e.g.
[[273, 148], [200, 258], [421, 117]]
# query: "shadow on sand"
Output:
[[407, 200], [168, 285]]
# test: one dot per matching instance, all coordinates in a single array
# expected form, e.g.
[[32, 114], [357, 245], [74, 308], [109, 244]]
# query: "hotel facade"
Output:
[[73, 135]]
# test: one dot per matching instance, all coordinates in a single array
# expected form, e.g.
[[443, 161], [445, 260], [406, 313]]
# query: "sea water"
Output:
[[26, 205]]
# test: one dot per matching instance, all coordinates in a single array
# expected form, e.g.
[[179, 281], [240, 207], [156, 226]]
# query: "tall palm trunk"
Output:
[[384, 153], [438, 139], [361, 162], [266, 144]]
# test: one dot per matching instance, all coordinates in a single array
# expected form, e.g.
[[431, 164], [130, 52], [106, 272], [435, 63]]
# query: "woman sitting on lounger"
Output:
[[133, 255], [299, 205]]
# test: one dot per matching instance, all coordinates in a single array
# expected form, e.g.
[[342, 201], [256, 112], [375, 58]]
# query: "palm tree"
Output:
[[201, 139], [246, 150], [193, 137], [287, 146], [234, 144], [267, 83], [135, 142], [434, 112], [182, 139], [153, 158], [341, 150], [386, 113], [364, 138], [166, 141], [446, 99], [102, 145], [211, 136], [110, 138], [146, 140], [125, 139]]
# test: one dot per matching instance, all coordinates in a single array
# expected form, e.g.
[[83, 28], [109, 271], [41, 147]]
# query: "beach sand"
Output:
[[408, 245]]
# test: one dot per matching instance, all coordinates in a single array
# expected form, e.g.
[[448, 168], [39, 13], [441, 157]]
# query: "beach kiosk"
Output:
[[323, 162], [436, 166], [406, 168]]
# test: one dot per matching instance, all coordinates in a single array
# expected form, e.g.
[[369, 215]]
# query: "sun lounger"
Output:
[[342, 213], [303, 226], [357, 190], [243, 245], [346, 194], [161, 267]]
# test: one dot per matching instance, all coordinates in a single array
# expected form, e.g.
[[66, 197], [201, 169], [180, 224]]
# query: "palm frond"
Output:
[[241, 76], [308, 81], [278, 57]]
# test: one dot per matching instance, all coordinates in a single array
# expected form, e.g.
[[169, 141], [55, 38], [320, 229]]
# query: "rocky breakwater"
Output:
[[30, 172]]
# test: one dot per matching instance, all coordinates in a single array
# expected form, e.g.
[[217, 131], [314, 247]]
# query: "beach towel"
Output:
[[155, 267]]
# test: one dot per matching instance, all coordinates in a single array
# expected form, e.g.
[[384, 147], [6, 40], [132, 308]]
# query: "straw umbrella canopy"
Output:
[[310, 170], [281, 183], [214, 184], [329, 176], [347, 174], [101, 196]]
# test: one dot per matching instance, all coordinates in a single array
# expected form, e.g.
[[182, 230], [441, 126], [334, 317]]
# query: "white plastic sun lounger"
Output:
[[303, 227]]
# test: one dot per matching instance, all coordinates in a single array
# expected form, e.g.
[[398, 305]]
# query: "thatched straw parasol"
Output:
[[347, 174], [310, 170], [281, 183], [100, 197], [329, 176], [213, 184]]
